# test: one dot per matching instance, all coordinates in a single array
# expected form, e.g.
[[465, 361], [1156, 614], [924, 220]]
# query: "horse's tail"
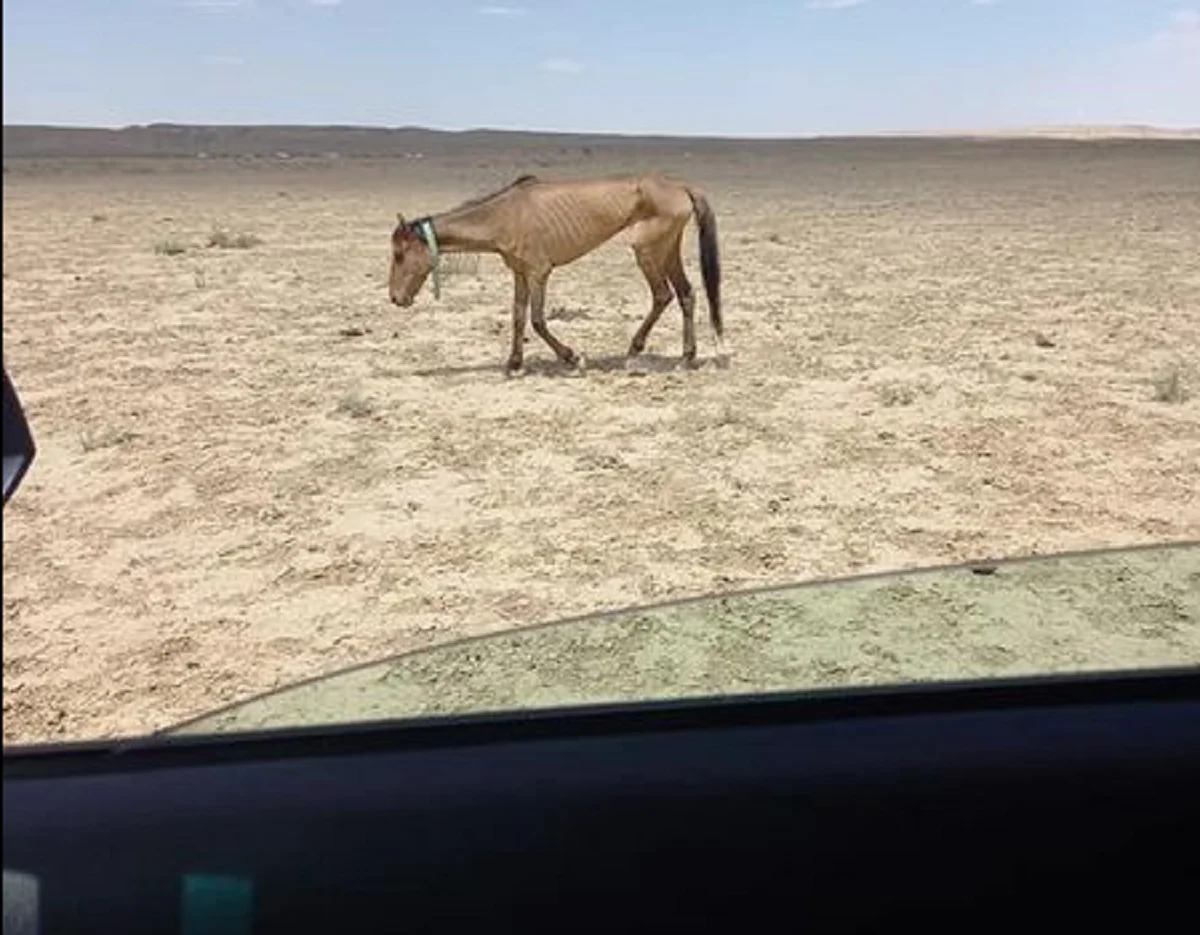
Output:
[[710, 258]]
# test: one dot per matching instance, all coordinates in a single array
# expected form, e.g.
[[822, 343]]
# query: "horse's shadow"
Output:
[[643, 365]]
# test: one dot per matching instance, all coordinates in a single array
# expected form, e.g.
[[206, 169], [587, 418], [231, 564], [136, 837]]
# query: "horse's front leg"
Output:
[[537, 302], [516, 356]]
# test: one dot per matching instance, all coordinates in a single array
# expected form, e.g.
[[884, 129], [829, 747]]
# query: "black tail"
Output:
[[710, 259]]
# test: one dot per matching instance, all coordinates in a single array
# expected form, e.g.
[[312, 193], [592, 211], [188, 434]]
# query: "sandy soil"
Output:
[[252, 468]]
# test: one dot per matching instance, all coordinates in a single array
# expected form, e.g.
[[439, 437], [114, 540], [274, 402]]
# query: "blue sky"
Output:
[[733, 67]]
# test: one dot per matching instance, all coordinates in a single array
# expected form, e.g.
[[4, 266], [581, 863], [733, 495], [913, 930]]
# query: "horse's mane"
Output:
[[472, 202]]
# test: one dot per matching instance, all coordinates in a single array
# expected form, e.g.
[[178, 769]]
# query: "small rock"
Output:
[[1043, 340]]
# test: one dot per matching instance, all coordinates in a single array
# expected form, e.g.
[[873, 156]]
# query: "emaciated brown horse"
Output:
[[536, 226]]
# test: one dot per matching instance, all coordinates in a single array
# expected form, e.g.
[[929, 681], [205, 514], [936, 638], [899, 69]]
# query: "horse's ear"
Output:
[[399, 218]]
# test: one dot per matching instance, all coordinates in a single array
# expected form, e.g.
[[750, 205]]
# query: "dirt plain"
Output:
[[253, 469]]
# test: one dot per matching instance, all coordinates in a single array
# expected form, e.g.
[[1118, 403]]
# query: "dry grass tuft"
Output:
[[897, 394], [355, 405], [171, 248], [99, 439], [228, 240], [1170, 385], [460, 264]]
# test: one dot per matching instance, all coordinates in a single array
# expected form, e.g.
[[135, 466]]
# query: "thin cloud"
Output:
[[984, 2], [502, 11], [1178, 42], [1185, 23], [219, 59], [833, 4], [1150, 80], [562, 66], [325, 2], [212, 4]]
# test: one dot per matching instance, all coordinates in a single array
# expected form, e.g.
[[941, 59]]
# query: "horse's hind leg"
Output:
[[649, 259], [687, 304], [537, 314]]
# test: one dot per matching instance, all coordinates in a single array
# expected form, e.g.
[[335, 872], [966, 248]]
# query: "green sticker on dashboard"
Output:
[[215, 904]]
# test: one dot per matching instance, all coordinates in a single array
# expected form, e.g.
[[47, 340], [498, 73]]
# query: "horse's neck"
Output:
[[472, 229]]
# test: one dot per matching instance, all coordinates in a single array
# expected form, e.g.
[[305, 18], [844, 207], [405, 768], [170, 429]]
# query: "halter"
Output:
[[423, 228]]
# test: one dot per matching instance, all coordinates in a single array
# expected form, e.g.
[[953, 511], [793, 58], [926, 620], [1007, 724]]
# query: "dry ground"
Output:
[[252, 468]]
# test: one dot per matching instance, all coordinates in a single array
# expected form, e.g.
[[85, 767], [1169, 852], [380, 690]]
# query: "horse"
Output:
[[538, 225]]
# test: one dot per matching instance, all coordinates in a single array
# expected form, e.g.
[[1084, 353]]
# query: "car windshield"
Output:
[[407, 347]]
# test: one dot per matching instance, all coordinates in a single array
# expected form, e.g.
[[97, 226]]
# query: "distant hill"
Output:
[[1084, 132], [167, 140], [179, 140]]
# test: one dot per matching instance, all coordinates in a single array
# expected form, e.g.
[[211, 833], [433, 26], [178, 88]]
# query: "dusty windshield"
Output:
[[321, 373]]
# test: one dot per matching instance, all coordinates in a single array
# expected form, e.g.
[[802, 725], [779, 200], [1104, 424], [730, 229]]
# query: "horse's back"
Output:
[[561, 220], [657, 191]]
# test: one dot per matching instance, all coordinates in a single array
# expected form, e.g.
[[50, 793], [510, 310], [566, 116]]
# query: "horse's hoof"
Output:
[[514, 370]]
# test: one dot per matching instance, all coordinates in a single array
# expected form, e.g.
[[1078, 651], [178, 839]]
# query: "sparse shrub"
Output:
[[228, 240], [460, 264], [897, 394], [98, 439], [728, 416], [356, 406], [1169, 386], [170, 248], [562, 313]]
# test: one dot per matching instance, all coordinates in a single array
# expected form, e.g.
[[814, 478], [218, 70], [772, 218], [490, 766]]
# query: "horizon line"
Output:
[[1067, 129]]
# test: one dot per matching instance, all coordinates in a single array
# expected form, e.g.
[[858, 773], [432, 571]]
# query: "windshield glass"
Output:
[[1060, 614], [352, 331]]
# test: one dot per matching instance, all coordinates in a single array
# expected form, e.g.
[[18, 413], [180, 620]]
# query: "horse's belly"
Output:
[[578, 243]]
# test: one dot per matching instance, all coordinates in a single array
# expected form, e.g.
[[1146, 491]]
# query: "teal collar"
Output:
[[425, 226]]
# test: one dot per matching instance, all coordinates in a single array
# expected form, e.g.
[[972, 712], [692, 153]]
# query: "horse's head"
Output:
[[411, 264]]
